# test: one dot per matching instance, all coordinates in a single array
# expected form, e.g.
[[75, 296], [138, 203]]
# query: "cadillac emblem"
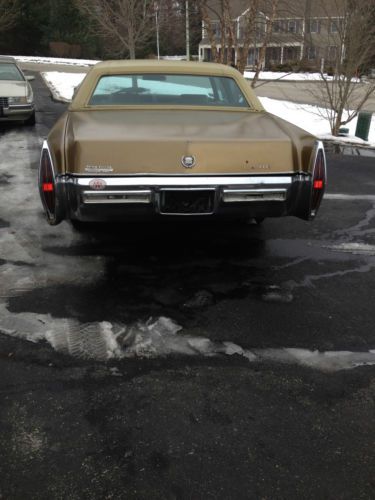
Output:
[[188, 161]]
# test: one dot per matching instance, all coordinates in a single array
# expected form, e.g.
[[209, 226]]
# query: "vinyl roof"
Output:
[[155, 66]]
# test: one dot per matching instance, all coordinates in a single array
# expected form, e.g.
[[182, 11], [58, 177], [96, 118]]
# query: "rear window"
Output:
[[9, 71], [162, 89]]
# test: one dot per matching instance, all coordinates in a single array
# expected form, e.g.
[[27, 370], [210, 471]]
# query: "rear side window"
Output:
[[162, 89], [9, 71]]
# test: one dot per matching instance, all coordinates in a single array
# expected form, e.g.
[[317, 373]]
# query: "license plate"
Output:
[[187, 202]]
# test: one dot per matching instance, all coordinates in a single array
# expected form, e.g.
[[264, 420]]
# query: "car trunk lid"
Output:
[[142, 142]]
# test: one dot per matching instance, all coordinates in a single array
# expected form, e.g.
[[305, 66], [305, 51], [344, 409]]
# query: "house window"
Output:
[[276, 27], [292, 26], [314, 26], [216, 29], [332, 52], [311, 53], [334, 27]]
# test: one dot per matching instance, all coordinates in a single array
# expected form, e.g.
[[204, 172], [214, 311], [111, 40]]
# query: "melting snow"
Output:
[[275, 293], [295, 77], [61, 86], [354, 248], [57, 60], [157, 338]]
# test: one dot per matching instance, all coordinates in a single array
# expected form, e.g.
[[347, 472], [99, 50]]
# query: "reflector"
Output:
[[47, 187], [318, 184]]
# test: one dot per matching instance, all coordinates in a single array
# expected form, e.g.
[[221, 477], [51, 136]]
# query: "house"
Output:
[[293, 32]]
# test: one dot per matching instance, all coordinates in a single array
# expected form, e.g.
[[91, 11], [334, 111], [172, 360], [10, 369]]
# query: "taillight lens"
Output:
[[47, 183], [319, 182]]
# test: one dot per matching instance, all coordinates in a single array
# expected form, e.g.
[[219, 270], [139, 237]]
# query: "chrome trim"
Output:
[[253, 195], [282, 173], [59, 215], [318, 147], [21, 107], [188, 188], [187, 180], [116, 197]]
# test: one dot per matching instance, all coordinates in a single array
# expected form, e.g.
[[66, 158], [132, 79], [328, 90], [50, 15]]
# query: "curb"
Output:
[[332, 145]]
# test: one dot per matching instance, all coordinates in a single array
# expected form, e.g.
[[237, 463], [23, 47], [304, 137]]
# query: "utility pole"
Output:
[[187, 31]]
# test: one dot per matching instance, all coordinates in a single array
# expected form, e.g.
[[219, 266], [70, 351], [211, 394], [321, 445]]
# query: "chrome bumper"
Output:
[[127, 197], [17, 112]]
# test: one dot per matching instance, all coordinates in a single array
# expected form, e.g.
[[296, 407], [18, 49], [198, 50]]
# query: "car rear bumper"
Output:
[[129, 197]]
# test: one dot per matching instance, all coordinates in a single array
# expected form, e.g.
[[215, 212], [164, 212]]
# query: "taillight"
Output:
[[47, 184], [319, 181]]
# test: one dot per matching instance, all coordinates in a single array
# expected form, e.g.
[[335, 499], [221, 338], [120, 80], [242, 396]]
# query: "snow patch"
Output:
[[56, 60], [329, 361], [61, 86], [275, 293], [156, 338], [313, 119], [291, 77], [349, 197], [354, 248]]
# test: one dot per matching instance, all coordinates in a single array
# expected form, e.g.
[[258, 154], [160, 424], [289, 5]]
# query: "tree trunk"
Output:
[[248, 35], [267, 37], [209, 31], [337, 123], [132, 51]]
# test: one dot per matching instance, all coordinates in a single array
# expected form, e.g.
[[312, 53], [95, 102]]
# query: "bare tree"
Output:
[[351, 49], [127, 24], [266, 38], [9, 11], [248, 29], [208, 28]]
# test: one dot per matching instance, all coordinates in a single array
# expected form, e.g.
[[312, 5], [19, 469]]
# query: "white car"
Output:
[[16, 94]]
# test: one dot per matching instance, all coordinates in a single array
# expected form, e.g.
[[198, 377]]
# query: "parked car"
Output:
[[150, 139], [16, 94]]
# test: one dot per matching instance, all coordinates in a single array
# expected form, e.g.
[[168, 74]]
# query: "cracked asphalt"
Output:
[[188, 427]]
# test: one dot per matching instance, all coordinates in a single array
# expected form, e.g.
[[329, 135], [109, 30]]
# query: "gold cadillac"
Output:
[[150, 139]]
